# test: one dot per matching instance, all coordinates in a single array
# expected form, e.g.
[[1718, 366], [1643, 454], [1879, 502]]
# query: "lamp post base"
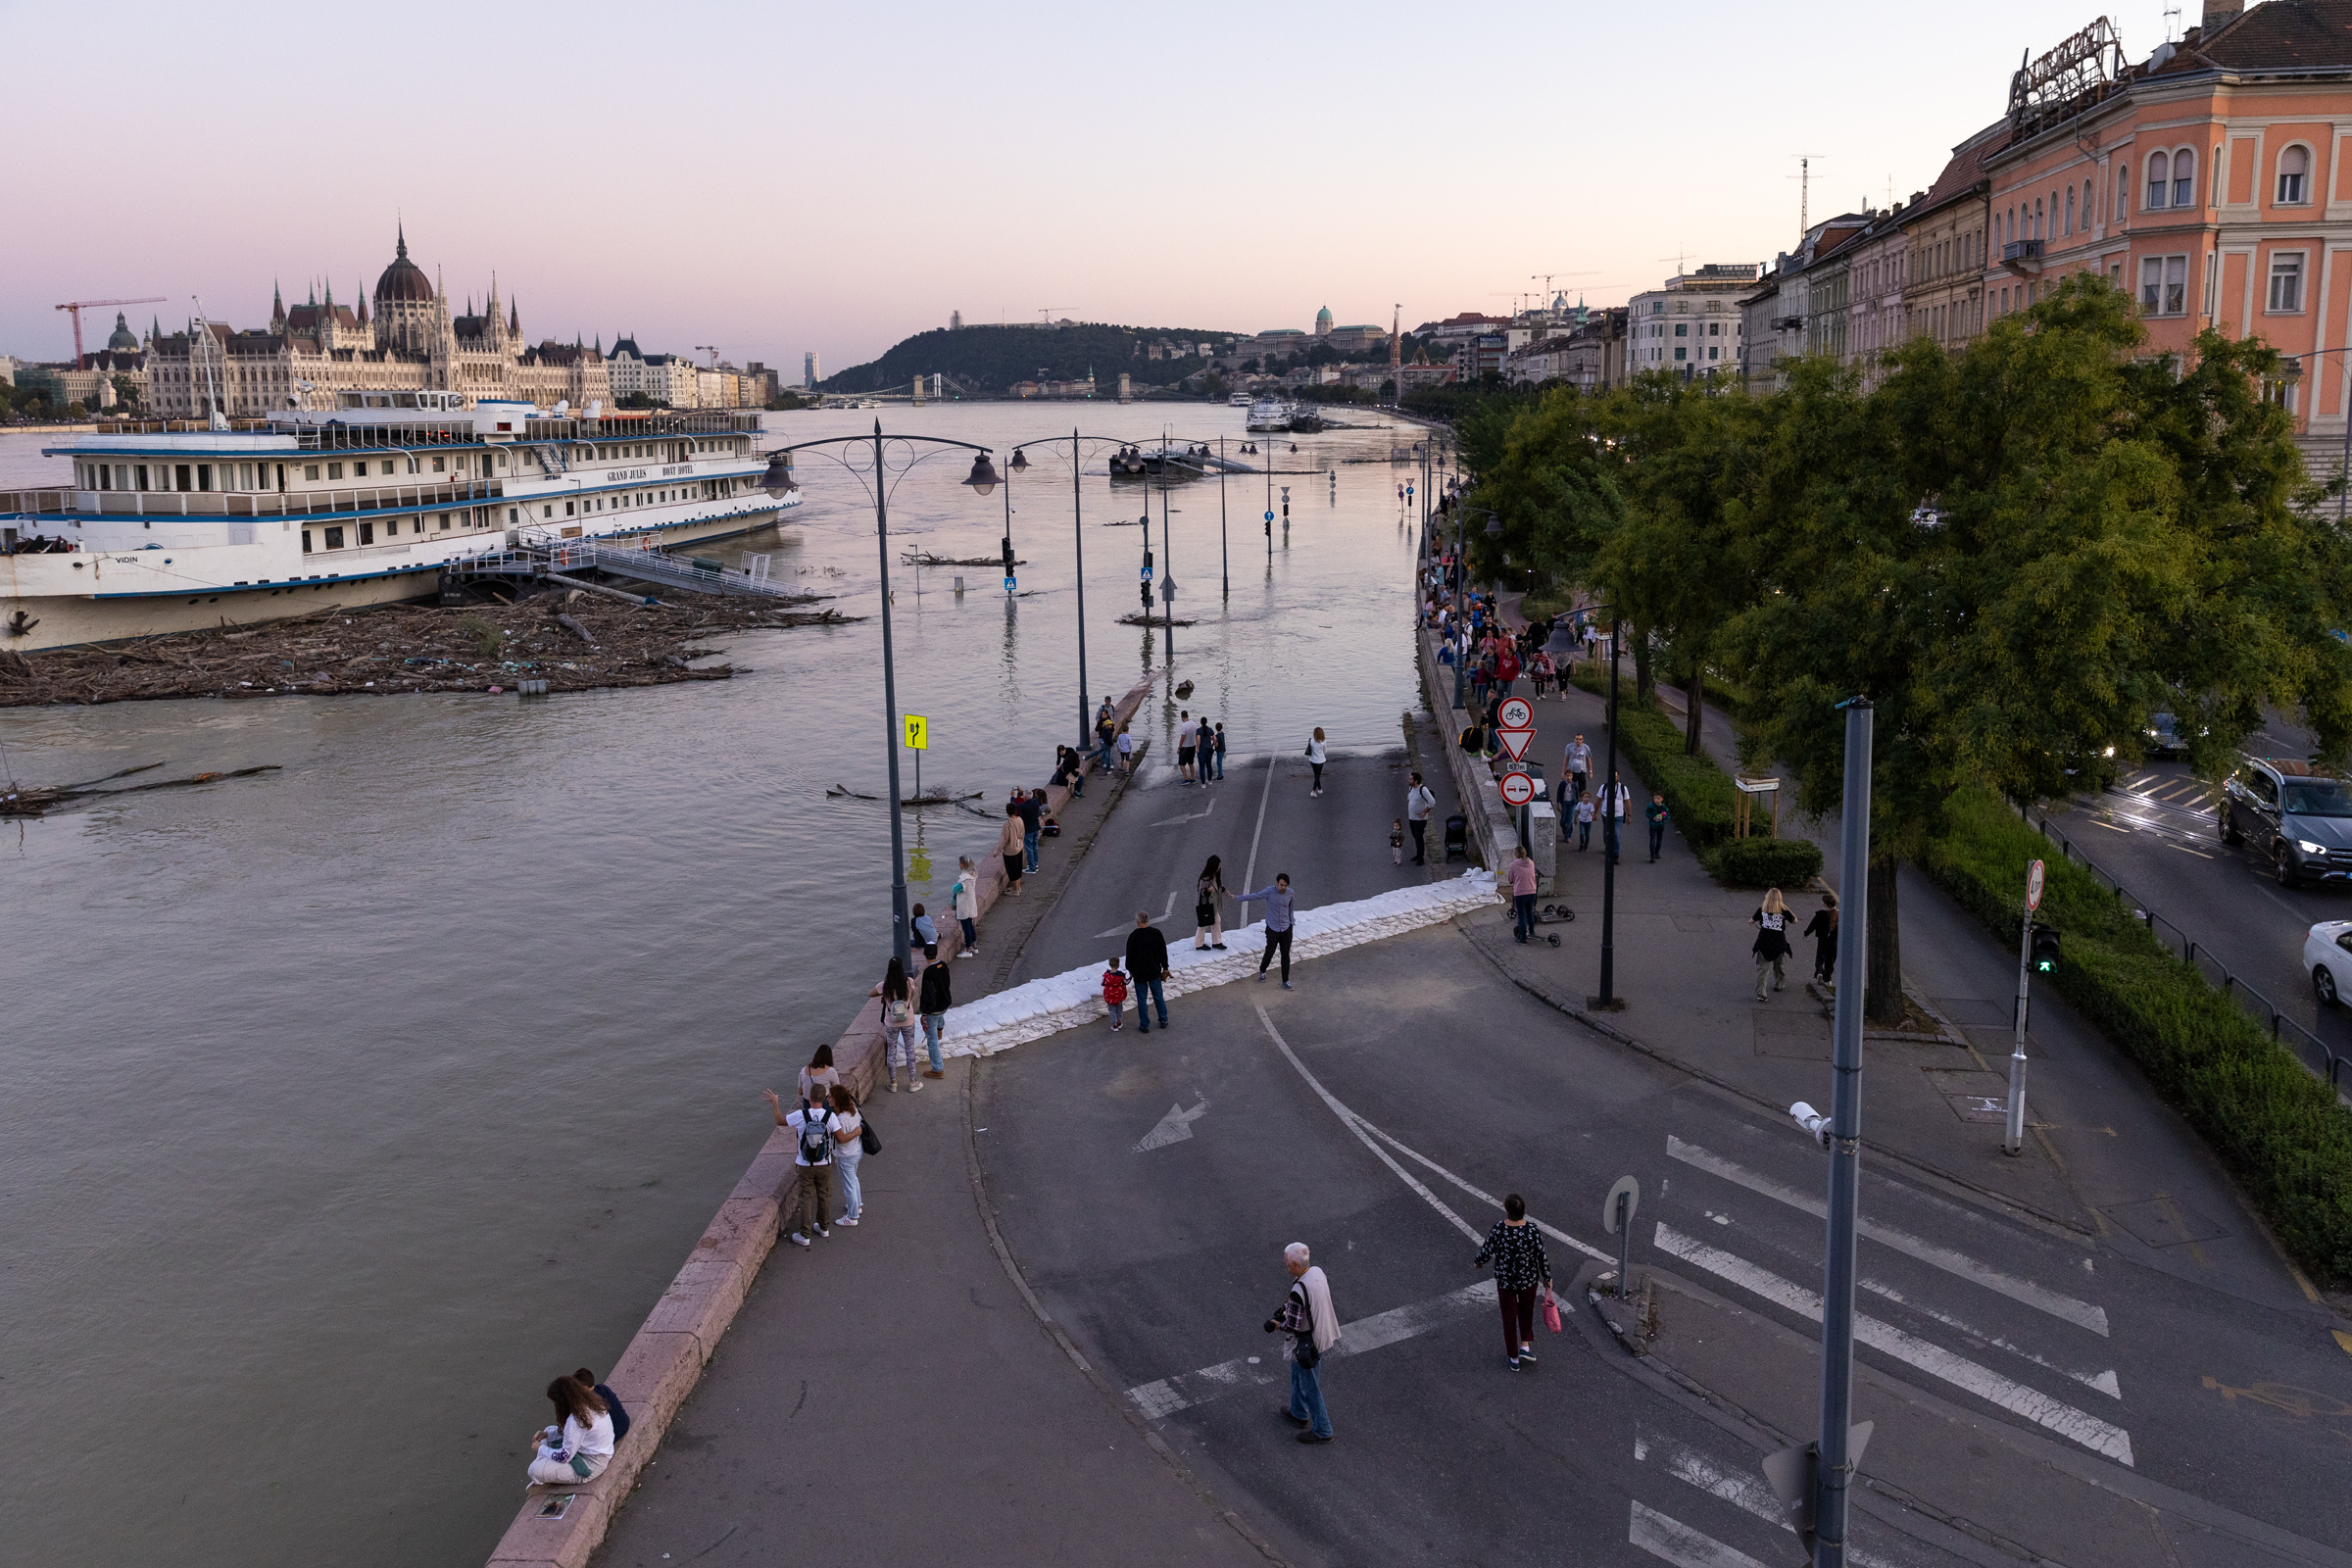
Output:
[[1606, 1003]]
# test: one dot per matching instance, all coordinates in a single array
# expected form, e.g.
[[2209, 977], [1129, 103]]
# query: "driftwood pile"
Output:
[[570, 639], [31, 800]]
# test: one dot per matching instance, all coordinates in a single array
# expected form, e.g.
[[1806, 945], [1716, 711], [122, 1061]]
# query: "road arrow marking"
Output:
[[1173, 1128]]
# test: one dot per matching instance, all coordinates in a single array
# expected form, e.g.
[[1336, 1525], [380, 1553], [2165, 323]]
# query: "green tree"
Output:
[[2017, 553]]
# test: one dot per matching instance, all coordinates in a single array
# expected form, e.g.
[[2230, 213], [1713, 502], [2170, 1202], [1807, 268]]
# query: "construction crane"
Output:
[[1045, 313], [81, 360], [711, 349]]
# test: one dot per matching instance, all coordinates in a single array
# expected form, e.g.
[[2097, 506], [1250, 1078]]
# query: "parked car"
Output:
[[2165, 738], [2293, 816], [2328, 955]]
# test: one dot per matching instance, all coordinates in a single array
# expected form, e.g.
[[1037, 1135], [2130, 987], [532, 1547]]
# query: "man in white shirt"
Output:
[[1615, 800], [1577, 764], [1418, 804], [1188, 737], [813, 1167]]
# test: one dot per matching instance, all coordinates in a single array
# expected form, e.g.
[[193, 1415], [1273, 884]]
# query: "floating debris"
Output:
[[31, 800]]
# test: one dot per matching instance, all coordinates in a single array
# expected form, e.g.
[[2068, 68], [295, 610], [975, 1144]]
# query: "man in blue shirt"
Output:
[[1277, 897]]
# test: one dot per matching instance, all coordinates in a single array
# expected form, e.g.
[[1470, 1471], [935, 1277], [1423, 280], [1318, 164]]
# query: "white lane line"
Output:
[[2058, 1306], [1489, 1198], [1742, 1487], [2100, 1437], [1348, 1120], [1249, 867], [1122, 930], [1680, 1545], [1166, 1395], [2105, 1382]]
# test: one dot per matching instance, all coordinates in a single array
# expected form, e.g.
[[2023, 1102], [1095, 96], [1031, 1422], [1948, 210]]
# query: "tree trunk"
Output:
[[1694, 698], [1645, 678], [1883, 996]]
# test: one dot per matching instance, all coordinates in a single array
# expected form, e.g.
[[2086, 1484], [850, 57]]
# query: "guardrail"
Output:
[[2304, 1043]]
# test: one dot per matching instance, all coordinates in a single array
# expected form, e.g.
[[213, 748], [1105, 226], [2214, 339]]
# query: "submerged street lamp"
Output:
[[983, 481]]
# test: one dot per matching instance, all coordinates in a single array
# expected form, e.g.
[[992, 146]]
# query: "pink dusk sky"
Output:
[[772, 178]]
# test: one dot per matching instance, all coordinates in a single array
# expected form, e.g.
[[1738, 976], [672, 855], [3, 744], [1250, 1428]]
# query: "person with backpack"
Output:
[[897, 1018], [1114, 994], [932, 1004], [849, 1130], [812, 1196]]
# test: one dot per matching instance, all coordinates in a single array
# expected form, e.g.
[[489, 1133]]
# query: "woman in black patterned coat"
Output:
[[1522, 1273]]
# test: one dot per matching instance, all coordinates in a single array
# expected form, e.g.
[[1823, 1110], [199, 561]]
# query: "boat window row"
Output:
[[339, 536]]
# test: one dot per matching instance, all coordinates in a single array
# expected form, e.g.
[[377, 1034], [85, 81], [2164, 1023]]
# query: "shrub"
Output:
[[1698, 792], [2278, 1129], [1763, 863]]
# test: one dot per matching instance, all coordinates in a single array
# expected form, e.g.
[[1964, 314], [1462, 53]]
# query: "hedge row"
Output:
[[2281, 1130], [1701, 798]]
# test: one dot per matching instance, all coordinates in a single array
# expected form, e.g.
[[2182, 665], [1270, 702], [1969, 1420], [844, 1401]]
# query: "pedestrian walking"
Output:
[[1823, 929], [1316, 758], [1187, 742], [1507, 667], [1772, 921], [849, 1151], [1522, 1277], [1615, 801], [899, 1029], [1011, 845], [818, 1076], [1313, 1326], [1656, 814], [1418, 804], [1208, 906], [1032, 812], [1114, 993], [1217, 750], [1147, 971], [1277, 897], [1585, 811], [1577, 764], [812, 1167], [580, 1444], [965, 896], [1126, 749], [1523, 894], [1540, 671], [934, 997]]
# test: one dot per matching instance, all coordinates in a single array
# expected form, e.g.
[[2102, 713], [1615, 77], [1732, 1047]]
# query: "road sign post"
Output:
[[1617, 1219], [919, 740], [1517, 789], [2013, 1133]]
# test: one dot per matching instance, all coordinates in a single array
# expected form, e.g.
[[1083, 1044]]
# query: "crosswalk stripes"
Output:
[[1736, 1480]]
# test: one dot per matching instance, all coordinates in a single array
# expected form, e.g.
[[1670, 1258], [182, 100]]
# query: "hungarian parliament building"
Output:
[[406, 338]]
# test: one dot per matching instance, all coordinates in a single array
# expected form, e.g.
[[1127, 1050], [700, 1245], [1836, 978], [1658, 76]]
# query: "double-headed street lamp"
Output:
[[776, 482], [984, 473]]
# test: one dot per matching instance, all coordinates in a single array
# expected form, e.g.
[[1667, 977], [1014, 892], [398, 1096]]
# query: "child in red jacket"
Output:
[[1114, 993]]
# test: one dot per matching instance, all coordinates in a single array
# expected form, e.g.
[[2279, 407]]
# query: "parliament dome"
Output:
[[404, 281], [123, 338]]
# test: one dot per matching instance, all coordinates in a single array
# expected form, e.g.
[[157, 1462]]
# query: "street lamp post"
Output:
[[1224, 551], [777, 481], [1608, 998]]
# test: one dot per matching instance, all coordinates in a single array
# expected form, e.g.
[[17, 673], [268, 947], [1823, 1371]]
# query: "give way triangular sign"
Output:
[[1516, 741]]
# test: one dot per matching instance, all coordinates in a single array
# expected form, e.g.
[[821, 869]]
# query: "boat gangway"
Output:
[[701, 574]]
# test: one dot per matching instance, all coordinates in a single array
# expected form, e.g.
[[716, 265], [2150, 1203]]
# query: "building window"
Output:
[[2184, 178], [309, 470], [2158, 164], [1682, 354], [2287, 282], [305, 541], [2089, 198], [2070, 209], [334, 538], [2164, 285], [1682, 329], [334, 470], [2295, 170]]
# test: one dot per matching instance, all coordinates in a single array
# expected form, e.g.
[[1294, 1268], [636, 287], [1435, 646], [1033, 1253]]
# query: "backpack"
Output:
[[897, 1012], [816, 1137], [1114, 986]]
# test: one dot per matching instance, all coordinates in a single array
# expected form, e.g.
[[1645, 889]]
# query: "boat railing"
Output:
[[254, 504], [701, 573]]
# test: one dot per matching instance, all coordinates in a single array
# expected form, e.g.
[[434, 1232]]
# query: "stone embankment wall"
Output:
[[666, 1359]]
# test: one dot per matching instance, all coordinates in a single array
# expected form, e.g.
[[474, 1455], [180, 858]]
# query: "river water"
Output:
[[343, 1107]]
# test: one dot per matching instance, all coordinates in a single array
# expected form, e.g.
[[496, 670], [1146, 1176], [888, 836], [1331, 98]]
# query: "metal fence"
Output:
[[2321, 1059]]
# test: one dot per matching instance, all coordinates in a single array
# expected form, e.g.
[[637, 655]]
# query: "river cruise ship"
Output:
[[181, 525]]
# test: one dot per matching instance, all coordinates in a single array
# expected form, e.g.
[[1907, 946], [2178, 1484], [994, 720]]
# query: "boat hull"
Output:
[[34, 585]]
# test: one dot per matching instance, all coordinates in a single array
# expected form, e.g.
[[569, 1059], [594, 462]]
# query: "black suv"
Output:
[[2297, 818]]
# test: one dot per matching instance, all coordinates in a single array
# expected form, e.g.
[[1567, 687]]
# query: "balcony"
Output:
[[2022, 257]]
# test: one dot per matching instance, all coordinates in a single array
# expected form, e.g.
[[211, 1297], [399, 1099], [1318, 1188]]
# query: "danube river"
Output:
[[343, 1107]]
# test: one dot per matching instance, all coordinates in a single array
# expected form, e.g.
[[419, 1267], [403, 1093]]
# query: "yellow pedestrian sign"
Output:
[[919, 732]]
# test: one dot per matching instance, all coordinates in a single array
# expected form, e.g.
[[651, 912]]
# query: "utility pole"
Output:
[[1844, 1138], [2012, 1140], [1224, 551], [1608, 998]]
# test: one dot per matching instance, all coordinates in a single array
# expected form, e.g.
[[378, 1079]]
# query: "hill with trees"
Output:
[[990, 358]]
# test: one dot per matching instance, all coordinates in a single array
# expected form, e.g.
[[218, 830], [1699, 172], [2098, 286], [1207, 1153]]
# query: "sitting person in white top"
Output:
[[581, 1447]]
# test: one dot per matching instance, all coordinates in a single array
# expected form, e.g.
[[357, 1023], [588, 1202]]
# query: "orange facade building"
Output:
[[2213, 181]]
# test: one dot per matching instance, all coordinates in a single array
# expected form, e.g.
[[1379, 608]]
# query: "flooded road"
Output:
[[343, 1107]]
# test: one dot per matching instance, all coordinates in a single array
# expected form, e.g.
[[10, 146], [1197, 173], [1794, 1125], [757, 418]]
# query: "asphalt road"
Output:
[[2156, 833]]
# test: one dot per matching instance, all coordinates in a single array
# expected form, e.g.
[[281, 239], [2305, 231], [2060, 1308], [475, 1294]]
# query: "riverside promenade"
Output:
[[1044, 1343]]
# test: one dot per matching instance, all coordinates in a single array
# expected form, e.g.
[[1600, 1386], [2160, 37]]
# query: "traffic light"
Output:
[[2045, 949], [1010, 581]]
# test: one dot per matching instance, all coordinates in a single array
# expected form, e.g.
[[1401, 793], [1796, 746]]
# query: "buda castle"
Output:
[[410, 341]]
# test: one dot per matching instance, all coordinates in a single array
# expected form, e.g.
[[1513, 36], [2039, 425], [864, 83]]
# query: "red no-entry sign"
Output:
[[1518, 788]]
